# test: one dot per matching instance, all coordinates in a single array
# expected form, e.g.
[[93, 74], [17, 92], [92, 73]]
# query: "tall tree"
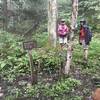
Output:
[[73, 27], [52, 19]]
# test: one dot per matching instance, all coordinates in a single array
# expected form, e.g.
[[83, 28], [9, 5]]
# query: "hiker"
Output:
[[63, 31], [85, 36]]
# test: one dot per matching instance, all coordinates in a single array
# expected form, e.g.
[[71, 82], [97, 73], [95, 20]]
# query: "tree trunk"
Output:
[[73, 27], [5, 21], [52, 19]]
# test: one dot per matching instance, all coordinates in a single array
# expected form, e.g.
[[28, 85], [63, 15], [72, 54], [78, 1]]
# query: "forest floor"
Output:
[[80, 71]]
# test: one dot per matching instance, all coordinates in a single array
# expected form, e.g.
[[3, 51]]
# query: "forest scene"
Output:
[[49, 49]]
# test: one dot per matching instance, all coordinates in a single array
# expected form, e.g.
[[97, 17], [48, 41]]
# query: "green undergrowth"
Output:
[[14, 63], [56, 90]]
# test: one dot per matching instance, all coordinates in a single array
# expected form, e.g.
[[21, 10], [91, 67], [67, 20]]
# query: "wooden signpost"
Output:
[[29, 45]]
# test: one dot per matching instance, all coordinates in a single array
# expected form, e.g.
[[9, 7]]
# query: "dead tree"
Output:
[[73, 27]]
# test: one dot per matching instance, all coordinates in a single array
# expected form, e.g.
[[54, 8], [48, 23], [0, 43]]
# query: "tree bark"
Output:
[[73, 27], [5, 21], [52, 19]]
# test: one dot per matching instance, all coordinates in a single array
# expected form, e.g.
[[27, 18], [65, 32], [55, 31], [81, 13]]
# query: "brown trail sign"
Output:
[[29, 45]]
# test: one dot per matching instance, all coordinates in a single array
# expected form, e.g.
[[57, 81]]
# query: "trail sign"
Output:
[[29, 45]]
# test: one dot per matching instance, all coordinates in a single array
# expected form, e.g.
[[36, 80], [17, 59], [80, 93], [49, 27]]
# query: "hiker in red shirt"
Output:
[[85, 36]]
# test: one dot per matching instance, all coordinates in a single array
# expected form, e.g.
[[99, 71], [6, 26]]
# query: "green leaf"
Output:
[[2, 65]]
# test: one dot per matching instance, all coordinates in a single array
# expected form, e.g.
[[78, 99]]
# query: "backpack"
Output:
[[88, 34], [63, 30]]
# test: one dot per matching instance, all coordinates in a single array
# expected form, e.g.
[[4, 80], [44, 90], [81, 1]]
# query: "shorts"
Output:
[[85, 46], [63, 40]]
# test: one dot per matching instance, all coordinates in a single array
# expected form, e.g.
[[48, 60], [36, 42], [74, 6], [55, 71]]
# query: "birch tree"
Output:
[[52, 19], [73, 27]]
